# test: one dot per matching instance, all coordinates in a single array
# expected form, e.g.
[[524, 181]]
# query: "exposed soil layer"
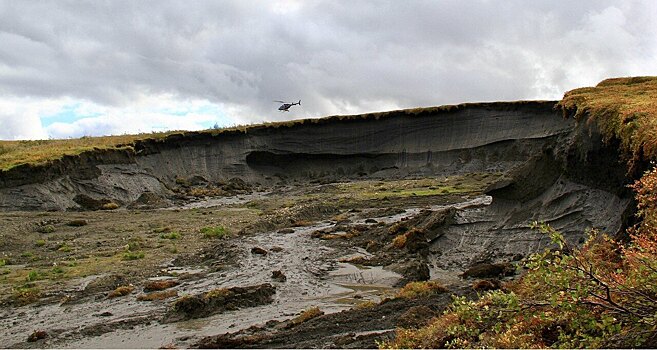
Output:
[[293, 236]]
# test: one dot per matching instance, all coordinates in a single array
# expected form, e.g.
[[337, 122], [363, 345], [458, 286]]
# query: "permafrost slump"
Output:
[[554, 168]]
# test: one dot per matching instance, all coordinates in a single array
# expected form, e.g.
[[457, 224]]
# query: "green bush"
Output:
[[33, 276]]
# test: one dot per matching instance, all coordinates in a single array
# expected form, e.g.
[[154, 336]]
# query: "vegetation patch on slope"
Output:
[[623, 109]]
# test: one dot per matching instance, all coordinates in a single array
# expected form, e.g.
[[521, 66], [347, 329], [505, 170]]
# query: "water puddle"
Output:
[[221, 201]]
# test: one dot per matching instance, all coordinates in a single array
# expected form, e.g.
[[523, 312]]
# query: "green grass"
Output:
[[622, 108], [214, 232], [33, 276], [170, 235], [133, 255]]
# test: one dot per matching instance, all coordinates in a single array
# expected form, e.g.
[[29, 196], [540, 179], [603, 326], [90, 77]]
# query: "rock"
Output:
[[484, 285], [371, 221], [149, 200], [88, 203], [373, 246], [277, 249], [237, 186], [489, 270], [286, 230], [197, 180], [104, 284], [37, 335], [413, 271], [77, 223], [416, 240], [258, 250], [278, 275], [219, 300]]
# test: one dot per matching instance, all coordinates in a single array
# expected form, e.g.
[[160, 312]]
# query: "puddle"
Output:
[[221, 201]]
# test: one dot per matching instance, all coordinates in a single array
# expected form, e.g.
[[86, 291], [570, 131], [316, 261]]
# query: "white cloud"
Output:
[[129, 66]]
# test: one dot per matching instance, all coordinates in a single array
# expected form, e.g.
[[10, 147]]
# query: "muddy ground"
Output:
[[297, 265]]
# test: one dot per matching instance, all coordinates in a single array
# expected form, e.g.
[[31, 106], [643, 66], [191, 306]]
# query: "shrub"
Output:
[[420, 289], [109, 206], [159, 285], [121, 291], [161, 295], [601, 295], [46, 229], [399, 241], [307, 315], [40, 242], [26, 295]]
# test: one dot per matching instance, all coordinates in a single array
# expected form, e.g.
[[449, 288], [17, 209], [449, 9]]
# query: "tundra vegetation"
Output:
[[602, 294]]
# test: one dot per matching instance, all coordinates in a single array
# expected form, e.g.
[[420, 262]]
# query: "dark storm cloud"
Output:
[[337, 56]]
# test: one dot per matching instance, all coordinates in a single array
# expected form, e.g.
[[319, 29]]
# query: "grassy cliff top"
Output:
[[623, 108]]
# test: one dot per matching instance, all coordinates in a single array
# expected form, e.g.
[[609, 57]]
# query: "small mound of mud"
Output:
[[219, 300], [88, 203]]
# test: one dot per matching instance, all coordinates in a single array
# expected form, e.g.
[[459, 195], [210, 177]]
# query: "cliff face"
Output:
[[491, 137]]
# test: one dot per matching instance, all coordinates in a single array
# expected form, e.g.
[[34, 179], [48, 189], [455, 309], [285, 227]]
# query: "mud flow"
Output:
[[80, 284]]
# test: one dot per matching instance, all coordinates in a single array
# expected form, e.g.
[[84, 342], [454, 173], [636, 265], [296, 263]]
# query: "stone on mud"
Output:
[[278, 275], [258, 250], [489, 284], [87, 203], [412, 270], [37, 335], [219, 300], [77, 223], [149, 200], [105, 283]]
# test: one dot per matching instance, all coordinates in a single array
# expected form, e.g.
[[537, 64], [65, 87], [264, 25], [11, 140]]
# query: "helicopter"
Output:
[[285, 107]]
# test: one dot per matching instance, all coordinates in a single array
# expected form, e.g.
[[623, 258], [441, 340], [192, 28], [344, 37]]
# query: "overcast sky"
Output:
[[76, 68]]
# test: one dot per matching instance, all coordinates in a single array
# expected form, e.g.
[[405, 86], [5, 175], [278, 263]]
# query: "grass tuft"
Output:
[[421, 289], [214, 232]]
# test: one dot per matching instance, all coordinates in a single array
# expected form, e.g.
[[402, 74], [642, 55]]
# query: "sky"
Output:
[[90, 68]]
